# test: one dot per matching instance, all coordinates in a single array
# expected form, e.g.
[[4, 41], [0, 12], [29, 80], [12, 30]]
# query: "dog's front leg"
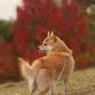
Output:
[[51, 90], [65, 86]]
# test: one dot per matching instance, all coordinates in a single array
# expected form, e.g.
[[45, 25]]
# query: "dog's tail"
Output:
[[26, 70]]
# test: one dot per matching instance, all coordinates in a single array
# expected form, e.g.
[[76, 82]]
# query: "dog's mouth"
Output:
[[41, 50]]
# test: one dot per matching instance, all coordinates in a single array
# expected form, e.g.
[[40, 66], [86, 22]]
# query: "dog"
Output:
[[44, 71]]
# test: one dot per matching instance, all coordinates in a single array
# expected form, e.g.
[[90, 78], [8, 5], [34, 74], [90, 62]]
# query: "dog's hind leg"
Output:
[[33, 88], [44, 81], [46, 89], [51, 90], [65, 86], [44, 85]]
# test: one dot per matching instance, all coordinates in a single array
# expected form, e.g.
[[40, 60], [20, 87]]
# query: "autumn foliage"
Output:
[[8, 63], [33, 21]]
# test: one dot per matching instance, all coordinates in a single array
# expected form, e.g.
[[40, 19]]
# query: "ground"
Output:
[[80, 83]]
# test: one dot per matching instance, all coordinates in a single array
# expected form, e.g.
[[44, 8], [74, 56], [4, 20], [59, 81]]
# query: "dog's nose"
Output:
[[38, 48]]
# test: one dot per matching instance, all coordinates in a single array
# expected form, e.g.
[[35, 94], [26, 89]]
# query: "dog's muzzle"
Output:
[[40, 50]]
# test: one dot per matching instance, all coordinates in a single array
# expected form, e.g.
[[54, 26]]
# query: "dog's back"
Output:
[[54, 62]]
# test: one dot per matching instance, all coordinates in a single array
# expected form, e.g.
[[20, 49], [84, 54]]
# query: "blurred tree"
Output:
[[36, 17], [8, 63], [86, 3], [88, 7], [6, 28]]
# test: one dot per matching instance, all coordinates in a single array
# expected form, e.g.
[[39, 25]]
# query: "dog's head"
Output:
[[48, 43], [52, 43]]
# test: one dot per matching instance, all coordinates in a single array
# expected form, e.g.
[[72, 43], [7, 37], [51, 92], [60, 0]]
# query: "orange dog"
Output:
[[44, 71]]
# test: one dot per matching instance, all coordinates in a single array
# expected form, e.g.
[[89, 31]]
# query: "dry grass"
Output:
[[80, 83]]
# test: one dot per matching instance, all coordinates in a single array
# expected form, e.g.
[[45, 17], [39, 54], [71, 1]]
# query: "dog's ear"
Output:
[[48, 34], [52, 36]]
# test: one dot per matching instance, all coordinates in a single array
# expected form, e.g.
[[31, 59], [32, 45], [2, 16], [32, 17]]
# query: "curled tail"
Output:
[[26, 70]]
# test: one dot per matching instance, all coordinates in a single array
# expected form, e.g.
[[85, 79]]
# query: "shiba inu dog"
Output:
[[44, 71]]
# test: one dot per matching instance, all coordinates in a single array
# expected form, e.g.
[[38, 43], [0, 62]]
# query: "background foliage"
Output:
[[33, 21], [6, 28]]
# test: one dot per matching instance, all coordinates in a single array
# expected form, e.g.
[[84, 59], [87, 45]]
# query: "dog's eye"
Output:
[[45, 44]]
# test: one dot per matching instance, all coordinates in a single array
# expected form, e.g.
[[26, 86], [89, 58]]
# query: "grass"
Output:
[[80, 83]]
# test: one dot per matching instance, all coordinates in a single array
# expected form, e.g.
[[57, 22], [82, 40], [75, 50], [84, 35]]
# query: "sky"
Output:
[[8, 9]]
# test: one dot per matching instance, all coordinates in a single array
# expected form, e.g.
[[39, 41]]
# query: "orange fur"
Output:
[[44, 71]]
